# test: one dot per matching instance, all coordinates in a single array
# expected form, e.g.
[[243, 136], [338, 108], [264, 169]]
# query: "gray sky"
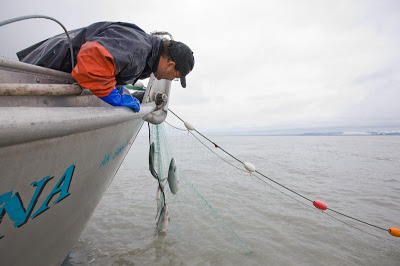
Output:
[[259, 64]]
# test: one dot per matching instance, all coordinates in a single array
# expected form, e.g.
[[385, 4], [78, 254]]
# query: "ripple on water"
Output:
[[353, 175]]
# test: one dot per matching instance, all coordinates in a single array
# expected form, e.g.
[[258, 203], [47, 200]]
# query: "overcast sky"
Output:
[[259, 64]]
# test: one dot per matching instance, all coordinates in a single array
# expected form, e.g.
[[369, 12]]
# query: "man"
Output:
[[112, 54]]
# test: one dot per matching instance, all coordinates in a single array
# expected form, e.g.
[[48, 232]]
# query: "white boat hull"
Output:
[[60, 148], [82, 164]]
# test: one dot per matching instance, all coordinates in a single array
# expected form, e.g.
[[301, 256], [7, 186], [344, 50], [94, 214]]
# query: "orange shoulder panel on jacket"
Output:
[[95, 69]]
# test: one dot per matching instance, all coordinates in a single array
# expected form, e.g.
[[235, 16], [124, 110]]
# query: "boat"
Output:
[[60, 148]]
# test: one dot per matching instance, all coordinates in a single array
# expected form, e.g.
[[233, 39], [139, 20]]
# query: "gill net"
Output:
[[204, 168], [190, 209]]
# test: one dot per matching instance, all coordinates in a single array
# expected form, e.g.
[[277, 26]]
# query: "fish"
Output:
[[163, 219], [160, 189], [173, 179], [163, 214], [158, 199], [151, 161]]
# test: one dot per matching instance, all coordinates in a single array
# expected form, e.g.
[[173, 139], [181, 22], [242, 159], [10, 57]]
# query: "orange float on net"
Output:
[[394, 231], [320, 205]]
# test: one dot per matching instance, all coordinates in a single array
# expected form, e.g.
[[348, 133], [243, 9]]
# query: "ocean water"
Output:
[[224, 216]]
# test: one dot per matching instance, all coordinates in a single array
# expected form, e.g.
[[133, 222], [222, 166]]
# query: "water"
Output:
[[221, 213]]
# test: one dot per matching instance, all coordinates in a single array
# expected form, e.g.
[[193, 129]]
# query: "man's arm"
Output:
[[95, 70]]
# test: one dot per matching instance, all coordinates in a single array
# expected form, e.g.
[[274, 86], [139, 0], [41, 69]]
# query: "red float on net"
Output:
[[320, 205]]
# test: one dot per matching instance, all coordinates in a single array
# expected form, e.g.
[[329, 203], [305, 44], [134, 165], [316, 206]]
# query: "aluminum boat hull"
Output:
[[60, 148], [92, 157]]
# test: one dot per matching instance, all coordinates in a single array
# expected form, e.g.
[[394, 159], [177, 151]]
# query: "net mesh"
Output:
[[188, 209]]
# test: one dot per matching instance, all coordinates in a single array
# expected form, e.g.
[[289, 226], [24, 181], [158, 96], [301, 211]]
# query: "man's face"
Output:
[[166, 69]]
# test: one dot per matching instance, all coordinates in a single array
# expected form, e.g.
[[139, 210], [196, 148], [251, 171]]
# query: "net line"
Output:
[[164, 152]]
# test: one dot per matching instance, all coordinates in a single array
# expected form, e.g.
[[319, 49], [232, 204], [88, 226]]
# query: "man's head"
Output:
[[176, 61]]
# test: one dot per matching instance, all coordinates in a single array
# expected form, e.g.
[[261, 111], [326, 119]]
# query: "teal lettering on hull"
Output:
[[61, 187], [115, 153], [12, 204]]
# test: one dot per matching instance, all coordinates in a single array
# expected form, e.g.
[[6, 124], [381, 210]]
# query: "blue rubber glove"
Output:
[[116, 99], [120, 90]]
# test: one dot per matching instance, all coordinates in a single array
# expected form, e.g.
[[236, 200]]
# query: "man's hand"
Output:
[[116, 99]]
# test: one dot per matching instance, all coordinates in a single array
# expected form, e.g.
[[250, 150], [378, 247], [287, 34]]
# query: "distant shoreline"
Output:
[[312, 134]]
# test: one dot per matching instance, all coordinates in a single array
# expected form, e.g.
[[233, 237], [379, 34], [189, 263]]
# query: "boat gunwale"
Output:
[[25, 124], [8, 65]]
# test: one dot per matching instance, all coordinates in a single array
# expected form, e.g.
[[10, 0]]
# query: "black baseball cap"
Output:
[[183, 57]]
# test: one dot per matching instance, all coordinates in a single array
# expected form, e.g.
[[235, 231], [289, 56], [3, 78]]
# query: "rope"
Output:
[[298, 194], [207, 147], [354, 226], [217, 154], [175, 126], [357, 219], [308, 206], [283, 186], [2, 23], [271, 186]]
